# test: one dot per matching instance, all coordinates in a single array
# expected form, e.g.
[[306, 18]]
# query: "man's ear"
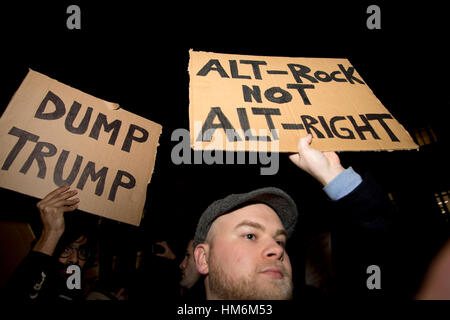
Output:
[[201, 254]]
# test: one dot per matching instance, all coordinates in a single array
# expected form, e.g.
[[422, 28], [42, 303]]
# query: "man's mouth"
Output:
[[273, 272]]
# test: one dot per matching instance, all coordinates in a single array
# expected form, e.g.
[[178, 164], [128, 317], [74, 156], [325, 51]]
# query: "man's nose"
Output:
[[183, 264], [74, 257], [273, 250]]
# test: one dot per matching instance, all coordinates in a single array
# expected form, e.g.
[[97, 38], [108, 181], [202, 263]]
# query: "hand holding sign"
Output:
[[323, 166], [51, 210], [53, 206]]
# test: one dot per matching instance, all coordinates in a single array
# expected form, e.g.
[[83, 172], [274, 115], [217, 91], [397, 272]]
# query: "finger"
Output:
[[63, 203], [64, 208], [57, 197], [63, 196], [70, 208], [55, 193]]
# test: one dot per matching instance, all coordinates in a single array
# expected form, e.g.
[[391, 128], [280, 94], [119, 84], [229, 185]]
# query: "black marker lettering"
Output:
[[243, 120], [282, 95], [255, 65], [301, 89], [73, 112], [38, 154], [309, 123], [209, 127], [101, 121], [89, 171], [365, 127], [322, 76], [119, 183], [325, 126], [235, 72], [268, 112], [60, 108], [292, 126], [333, 121], [131, 137], [23, 136], [333, 76], [380, 118], [59, 168], [349, 74], [276, 72], [212, 65], [299, 71], [254, 93]]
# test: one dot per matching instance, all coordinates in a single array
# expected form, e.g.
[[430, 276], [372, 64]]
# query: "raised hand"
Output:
[[323, 166], [51, 210]]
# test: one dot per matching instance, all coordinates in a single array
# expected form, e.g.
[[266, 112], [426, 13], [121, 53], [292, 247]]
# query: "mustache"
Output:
[[275, 264]]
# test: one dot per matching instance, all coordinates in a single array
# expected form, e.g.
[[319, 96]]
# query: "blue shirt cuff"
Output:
[[343, 184]]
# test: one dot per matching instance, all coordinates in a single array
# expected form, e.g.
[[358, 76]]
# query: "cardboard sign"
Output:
[[53, 135], [247, 103]]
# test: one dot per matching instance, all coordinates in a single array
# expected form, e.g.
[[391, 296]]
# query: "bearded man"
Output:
[[240, 240]]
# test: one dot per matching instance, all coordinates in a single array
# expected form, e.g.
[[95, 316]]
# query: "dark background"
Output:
[[137, 55]]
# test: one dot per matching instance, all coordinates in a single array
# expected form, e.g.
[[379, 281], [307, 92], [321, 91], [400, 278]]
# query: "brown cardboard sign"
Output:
[[53, 135], [250, 103]]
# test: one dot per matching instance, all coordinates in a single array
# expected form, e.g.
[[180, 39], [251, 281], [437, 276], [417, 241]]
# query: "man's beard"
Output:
[[223, 287]]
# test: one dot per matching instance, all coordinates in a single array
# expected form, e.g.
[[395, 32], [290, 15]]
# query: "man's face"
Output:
[[75, 253], [189, 273], [247, 257]]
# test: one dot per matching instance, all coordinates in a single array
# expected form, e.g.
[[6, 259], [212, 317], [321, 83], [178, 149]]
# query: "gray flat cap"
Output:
[[275, 198]]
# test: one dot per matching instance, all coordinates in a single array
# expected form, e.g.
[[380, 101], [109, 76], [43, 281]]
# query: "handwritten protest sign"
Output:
[[240, 103], [53, 135]]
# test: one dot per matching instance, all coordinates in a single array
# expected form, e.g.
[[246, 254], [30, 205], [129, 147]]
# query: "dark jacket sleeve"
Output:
[[33, 279], [363, 236]]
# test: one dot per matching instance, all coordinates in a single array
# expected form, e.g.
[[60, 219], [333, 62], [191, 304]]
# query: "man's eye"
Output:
[[281, 243], [250, 236]]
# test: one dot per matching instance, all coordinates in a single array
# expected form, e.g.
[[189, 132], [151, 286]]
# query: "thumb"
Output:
[[303, 143]]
